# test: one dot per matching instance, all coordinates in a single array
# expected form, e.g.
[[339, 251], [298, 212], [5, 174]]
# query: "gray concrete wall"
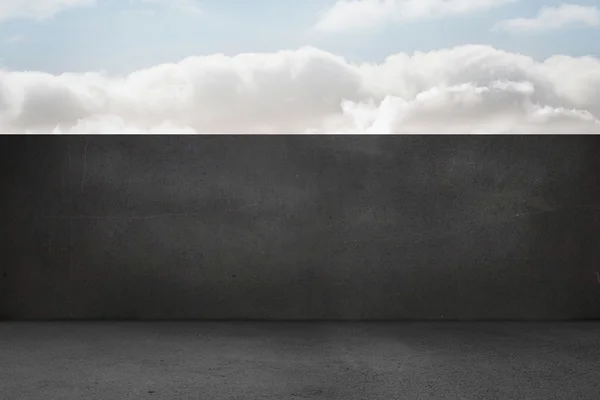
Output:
[[300, 227]]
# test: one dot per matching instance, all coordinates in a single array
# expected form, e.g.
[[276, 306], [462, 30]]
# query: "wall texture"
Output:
[[300, 227]]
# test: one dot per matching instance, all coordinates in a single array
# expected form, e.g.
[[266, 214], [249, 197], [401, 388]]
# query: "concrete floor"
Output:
[[444, 360]]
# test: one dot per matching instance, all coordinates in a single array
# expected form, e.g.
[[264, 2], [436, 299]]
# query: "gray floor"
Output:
[[448, 360]]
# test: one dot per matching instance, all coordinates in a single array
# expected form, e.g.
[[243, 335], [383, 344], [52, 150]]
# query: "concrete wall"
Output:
[[300, 227]]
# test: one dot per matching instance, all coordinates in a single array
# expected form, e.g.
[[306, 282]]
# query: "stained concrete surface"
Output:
[[300, 227], [294, 360]]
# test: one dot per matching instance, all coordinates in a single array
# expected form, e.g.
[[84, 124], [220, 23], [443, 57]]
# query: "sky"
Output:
[[266, 66]]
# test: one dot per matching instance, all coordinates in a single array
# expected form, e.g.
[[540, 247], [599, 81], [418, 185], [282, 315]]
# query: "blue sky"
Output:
[[120, 36], [300, 66]]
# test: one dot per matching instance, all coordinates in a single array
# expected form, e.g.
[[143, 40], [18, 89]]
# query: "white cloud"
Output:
[[549, 18], [347, 15], [463, 89], [36, 9], [190, 6], [15, 39]]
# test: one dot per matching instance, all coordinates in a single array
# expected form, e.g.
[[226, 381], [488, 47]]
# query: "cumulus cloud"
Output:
[[463, 89], [550, 18], [347, 15], [36, 9]]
